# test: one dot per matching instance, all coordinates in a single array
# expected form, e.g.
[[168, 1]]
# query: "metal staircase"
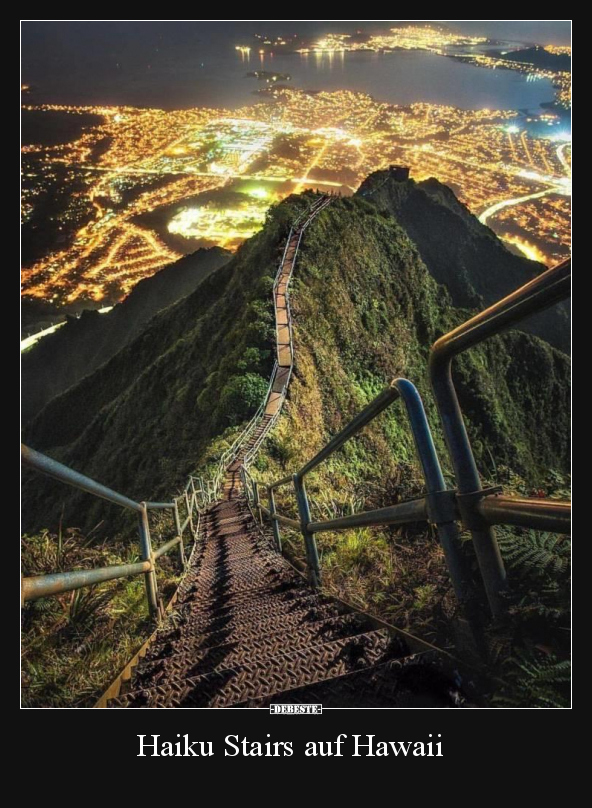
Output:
[[247, 629]]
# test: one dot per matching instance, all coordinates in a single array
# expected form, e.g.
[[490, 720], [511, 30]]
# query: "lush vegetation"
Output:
[[84, 343], [366, 309], [74, 644]]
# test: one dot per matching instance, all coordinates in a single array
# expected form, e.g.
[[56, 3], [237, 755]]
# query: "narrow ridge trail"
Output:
[[248, 629]]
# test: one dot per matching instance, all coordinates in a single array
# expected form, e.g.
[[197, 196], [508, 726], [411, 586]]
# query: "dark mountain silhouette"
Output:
[[78, 348], [374, 286]]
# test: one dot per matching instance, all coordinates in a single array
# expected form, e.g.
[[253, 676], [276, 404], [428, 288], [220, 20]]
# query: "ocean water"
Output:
[[170, 68]]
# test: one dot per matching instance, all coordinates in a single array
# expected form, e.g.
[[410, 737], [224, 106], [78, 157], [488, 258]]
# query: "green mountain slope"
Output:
[[366, 315], [61, 359], [460, 252], [366, 308]]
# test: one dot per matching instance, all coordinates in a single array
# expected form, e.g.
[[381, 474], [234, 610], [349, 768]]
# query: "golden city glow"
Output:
[[412, 37], [137, 164], [559, 50]]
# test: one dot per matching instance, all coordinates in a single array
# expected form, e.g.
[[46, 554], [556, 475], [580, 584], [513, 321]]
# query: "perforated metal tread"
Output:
[[184, 660], [247, 630], [260, 678], [417, 681]]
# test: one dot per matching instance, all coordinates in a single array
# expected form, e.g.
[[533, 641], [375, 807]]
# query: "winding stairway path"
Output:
[[248, 630]]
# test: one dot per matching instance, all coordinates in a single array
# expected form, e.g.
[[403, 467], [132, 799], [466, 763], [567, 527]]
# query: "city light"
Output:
[[258, 193], [158, 161], [220, 225]]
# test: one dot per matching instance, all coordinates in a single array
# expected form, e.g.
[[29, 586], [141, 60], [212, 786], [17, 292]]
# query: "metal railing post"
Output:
[[189, 506], [441, 509], [201, 493], [274, 522], [543, 291], [468, 481], [178, 531], [312, 555], [148, 555], [256, 503]]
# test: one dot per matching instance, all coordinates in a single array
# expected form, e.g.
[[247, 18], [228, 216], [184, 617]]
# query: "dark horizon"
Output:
[[54, 49], [179, 65]]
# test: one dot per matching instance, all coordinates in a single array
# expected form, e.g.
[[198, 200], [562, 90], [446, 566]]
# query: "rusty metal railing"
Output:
[[475, 508], [196, 496], [298, 227], [479, 509], [435, 506], [40, 586]]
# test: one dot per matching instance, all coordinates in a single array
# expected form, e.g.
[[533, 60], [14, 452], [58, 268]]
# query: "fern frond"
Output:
[[535, 554], [534, 680]]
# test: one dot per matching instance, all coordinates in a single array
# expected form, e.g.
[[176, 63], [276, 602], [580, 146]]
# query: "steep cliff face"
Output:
[[78, 348], [365, 314], [366, 309], [460, 252]]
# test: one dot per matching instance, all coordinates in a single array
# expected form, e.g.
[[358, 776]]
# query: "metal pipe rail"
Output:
[[415, 510], [545, 290], [230, 454], [41, 586], [51, 468], [551, 515], [436, 507], [298, 226], [197, 495], [57, 583], [477, 509]]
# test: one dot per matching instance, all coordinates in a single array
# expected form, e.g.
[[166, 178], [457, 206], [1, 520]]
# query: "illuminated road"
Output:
[[29, 341], [507, 203], [315, 161], [527, 249], [226, 175], [33, 338]]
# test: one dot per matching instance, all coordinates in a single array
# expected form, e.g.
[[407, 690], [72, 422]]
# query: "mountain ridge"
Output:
[[366, 308], [461, 252], [84, 343]]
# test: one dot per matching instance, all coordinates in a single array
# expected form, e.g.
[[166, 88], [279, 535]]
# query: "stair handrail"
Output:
[[230, 455], [39, 586], [308, 215], [481, 508], [197, 494], [476, 508]]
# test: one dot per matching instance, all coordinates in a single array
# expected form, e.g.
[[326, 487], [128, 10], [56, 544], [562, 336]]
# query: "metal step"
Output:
[[251, 680], [185, 661], [257, 618], [417, 681], [248, 630], [244, 632], [329, 628]]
